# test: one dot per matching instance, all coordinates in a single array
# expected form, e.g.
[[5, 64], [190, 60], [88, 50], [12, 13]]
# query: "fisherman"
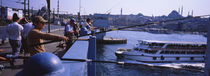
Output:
[[27, 28], [88, 24], [22, 22], [35, 36], [4, 34], [71, 31], [14, 31]]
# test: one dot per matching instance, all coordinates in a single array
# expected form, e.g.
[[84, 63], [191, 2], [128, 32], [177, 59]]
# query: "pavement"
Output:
[[18, 65]]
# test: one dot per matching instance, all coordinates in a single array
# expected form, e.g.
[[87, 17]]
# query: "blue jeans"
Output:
[[16, 45]]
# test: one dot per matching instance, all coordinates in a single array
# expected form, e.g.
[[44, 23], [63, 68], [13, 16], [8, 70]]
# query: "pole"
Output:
[[207, 59], [58, 9], [79, 18], [24, 11], [1, 13], [1, 3], [48, 16], [92, 55], [28, 9], [32, 10], [79, 5], [53, 15]]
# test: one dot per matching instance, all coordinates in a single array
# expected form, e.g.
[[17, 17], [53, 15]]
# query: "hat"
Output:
[[39, 19], [72, 20]]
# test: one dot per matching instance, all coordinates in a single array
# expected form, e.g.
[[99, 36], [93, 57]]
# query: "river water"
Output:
[[106, 52]]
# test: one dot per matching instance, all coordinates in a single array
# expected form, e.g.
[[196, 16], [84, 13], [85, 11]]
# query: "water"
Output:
[[52, 27], [106, 52]]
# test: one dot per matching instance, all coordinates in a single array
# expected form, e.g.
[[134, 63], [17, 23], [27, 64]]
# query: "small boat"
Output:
[[164, 51]]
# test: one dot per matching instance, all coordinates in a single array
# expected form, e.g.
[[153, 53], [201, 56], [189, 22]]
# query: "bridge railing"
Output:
[[81, 50]]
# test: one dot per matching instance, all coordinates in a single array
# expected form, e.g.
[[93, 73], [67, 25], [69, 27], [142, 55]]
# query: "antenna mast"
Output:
[[58, 9]]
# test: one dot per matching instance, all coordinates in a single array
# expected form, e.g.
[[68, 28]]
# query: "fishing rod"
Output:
[[150, 23], [52, 41], [113, 62]]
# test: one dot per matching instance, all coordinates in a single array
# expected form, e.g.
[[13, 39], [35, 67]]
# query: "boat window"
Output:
[[146, 51], [191, 58], [188, 52], [166, 52], [162, 58], [182, 52], [153, 51], [136, 49], [197, 52], [162, 52], [177, 52], [193, 52], [171, 52], [154, 58], [177, 58]]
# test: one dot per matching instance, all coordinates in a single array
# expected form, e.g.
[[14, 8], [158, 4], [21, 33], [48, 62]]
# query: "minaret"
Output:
[[58, 9], [179, 11], [192, 13], [121, 11], [182, 11]]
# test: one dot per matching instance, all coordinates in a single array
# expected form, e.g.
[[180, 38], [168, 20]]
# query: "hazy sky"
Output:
[[146, 7]]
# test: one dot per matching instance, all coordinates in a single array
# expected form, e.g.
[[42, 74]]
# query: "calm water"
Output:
[[106, 52], [52, 27]]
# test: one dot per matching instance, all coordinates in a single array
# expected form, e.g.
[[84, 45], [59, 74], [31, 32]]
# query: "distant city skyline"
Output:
[[146, 7]]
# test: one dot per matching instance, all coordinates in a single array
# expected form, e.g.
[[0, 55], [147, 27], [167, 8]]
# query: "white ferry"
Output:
[[164, 51]]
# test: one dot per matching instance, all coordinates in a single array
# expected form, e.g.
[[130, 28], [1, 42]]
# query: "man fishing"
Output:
[[35, 36]]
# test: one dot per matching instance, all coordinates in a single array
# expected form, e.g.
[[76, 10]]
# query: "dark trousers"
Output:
[[70, 42], [24, 47], [16, 45]]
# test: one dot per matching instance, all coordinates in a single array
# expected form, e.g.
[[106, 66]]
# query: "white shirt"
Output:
[[27, 28], [86, 25], [14, 31], [68, 28]]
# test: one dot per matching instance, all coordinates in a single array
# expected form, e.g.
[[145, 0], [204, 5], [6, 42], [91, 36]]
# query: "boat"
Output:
[[164, 51]]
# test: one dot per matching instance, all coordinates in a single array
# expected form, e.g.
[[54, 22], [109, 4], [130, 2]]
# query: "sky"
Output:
[[146, 7]]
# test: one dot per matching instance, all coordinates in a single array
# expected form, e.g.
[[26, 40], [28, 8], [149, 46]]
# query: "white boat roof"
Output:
[[175, 42]]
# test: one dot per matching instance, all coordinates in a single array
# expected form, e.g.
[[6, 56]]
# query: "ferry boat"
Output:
[[164, 51]]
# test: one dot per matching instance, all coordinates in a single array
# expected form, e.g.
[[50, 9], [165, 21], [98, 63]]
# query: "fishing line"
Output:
[[150, 23]]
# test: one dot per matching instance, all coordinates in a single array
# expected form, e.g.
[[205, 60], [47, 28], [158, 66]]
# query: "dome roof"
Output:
[[174, 14]]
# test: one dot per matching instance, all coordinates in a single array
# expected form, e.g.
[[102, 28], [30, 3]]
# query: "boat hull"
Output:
[[160, 57]]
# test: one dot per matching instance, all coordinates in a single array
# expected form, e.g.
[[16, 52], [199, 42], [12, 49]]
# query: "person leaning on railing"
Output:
[[35, 36], [71, 31]]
